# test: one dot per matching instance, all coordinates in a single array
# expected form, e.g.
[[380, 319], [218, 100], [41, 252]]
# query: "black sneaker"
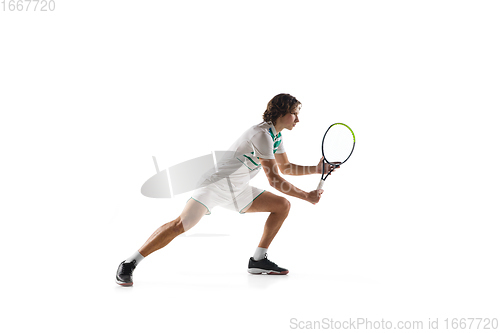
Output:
[[265, 266], [124, 273]]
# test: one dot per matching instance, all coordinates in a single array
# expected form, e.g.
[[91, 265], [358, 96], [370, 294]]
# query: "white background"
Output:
[[406, 230]]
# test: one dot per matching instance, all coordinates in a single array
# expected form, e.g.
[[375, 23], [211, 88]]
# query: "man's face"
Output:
[[291, 119]]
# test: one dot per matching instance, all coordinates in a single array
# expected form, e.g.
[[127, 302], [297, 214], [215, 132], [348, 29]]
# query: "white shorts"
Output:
[[226, 196]]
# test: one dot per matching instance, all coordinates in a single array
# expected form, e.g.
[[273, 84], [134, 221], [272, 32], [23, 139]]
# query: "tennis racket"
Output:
[[337, 146]]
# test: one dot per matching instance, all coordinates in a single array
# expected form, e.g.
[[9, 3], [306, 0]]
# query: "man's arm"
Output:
[[291, 169], [276, 181]]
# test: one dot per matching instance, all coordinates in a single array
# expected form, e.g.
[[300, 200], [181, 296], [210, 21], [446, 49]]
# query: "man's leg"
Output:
[[190, 216], [278, 207]]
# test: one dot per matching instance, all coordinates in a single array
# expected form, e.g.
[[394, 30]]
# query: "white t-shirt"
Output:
[[241, 162]]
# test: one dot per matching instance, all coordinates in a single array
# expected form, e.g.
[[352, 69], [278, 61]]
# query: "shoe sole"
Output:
[[265, 271], [124, 284]]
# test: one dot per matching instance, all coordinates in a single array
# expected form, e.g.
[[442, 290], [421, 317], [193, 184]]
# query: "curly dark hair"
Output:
[[279, 106]]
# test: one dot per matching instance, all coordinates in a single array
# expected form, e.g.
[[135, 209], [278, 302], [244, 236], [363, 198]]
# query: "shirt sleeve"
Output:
[[263, 145]]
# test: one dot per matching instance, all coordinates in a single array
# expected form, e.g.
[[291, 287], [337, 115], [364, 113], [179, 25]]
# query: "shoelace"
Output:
[[127, 267], [265, 257]]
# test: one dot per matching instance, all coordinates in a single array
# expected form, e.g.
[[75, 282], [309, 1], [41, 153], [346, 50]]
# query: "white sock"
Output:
[[259, 254], [136, 256]]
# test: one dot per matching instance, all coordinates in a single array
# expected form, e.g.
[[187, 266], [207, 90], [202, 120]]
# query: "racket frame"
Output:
[[334, 164]]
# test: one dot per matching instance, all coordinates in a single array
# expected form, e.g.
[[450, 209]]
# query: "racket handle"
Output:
[[320, 185]]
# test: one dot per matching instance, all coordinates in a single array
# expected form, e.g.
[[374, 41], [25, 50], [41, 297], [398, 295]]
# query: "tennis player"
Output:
[[260, 147]]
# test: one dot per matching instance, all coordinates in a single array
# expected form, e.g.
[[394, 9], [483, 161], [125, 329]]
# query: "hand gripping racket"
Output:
[[337, 146]]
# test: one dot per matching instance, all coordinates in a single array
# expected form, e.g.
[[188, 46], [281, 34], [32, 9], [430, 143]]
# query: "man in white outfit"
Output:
[[260, 147]]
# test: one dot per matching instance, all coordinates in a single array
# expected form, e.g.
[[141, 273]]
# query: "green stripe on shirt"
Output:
[[271, 132], [251, 160]]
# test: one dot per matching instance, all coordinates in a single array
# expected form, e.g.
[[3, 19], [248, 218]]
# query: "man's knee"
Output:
[[178, 225], [186, 222], [283, 206]]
